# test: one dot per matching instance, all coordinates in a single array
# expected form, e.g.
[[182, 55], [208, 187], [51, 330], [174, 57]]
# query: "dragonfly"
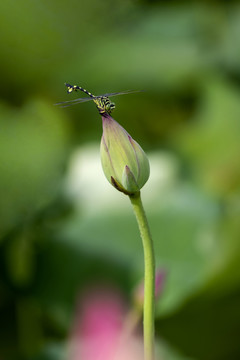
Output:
[[103, 103]]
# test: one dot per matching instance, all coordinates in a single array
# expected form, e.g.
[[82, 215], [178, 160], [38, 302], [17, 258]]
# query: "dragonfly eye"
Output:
[[110, 106]]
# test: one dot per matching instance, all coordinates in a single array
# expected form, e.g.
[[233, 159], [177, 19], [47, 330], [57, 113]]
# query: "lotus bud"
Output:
[[124, 162]]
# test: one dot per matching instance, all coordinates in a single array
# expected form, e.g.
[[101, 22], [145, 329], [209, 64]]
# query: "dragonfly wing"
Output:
[[121, 93], [73, 102]]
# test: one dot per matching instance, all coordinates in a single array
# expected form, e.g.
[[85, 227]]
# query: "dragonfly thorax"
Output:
[[104, 105]]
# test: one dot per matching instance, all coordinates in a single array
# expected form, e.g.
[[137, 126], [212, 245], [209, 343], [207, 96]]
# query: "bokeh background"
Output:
[[62, 226]]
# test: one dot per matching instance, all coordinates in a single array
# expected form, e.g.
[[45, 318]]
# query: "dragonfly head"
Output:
[[104, 105]]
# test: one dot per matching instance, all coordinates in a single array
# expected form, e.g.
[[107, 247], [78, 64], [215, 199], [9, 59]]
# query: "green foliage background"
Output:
[[54, 241]]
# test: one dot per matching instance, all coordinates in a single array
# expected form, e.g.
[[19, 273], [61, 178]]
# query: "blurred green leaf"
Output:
[[211, 143], [33, 144], [205, 327]]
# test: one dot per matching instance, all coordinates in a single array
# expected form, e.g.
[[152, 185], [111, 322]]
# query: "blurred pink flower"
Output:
[[103, 330]]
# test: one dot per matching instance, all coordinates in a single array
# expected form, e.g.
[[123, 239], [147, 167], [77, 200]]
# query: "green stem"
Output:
[[149, 276]]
